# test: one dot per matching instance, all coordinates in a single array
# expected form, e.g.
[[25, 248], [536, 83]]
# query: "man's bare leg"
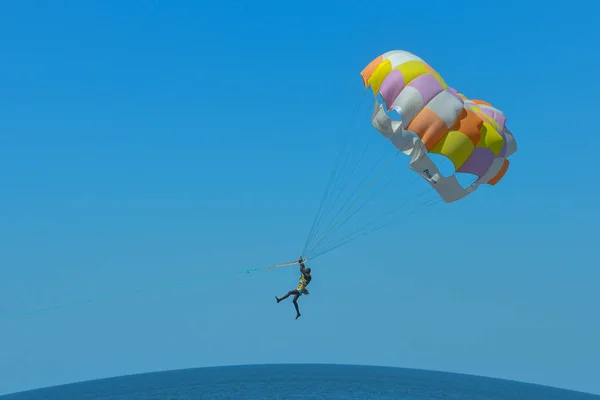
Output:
[[295, 301], [288, 294]]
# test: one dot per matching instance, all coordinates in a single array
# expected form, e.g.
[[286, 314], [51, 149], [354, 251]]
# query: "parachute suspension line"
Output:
[[357, 234], [346, 202], [325, 245], [331, 202], [333, 171], [330, 227], [340, 221], [358, 187], [373, 181], [365, 229], [335, 188], [333, 191], [373, 195]]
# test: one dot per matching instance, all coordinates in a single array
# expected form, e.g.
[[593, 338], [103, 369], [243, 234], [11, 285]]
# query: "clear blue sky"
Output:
[[147, 142]]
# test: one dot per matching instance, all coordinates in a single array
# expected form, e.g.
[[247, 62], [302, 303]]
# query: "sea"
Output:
[[299, 381]]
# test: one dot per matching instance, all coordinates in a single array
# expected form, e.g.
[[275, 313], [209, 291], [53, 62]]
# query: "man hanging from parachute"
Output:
[[435, 120], [305, 279]]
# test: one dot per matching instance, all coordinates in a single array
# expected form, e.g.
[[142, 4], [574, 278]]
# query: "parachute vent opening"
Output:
[[443, 163], [393, 113], [466, 180], [447, 169]]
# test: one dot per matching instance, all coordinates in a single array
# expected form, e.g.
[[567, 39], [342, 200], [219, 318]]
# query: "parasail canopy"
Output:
[[437, 119]]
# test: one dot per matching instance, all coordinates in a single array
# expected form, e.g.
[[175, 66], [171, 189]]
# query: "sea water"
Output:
[[304, 381]]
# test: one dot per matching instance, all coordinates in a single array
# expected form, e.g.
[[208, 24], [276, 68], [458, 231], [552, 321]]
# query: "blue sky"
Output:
[[149, 142]]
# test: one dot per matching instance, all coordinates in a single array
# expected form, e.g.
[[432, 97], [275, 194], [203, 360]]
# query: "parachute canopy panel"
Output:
[[437, 119]]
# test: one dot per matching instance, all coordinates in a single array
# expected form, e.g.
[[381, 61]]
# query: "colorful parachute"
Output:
[[437, 119], [438, 127]]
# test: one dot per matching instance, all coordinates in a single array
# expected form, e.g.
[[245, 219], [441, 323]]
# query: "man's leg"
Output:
[[288, 294], [295, 301]]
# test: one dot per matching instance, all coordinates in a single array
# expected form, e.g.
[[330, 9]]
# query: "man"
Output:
[[305, 279]]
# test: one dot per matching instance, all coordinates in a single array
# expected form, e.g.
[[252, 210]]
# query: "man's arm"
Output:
[[302, 267]]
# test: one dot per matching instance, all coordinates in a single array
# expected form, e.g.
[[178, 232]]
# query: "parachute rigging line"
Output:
[[333, 172], [338, 181], [373, 181], [325, 235], [364, 231]]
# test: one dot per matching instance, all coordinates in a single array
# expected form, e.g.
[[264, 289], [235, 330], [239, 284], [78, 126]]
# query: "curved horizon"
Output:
[[110, 379]]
